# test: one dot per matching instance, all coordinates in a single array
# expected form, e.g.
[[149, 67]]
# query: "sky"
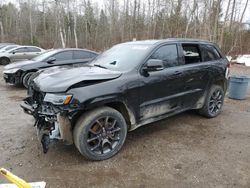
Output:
[[101, 2]]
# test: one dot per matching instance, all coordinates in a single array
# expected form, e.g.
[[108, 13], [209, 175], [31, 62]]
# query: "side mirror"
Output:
[[153, 65], [51, 60], [13, 52]]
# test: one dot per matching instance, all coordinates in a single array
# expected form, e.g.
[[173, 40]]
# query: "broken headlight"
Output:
[[57, 99]]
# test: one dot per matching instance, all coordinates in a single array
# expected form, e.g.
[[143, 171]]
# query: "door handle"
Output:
[[177, 73]]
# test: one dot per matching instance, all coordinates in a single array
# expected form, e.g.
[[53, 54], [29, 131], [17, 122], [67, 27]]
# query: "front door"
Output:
[[19, 54], [161, 91]]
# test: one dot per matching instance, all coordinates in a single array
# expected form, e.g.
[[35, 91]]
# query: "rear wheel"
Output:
[[25, 79], [100, 133], [4, 61], [213, 103]]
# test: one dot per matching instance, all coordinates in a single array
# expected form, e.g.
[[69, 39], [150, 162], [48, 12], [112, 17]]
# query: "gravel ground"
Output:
[[186, 150]]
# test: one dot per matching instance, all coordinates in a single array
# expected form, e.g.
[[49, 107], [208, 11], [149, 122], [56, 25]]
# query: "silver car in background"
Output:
[[8, 47], [19, 53]]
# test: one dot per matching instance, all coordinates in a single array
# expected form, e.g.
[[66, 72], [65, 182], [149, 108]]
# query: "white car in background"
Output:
[[19, 53]]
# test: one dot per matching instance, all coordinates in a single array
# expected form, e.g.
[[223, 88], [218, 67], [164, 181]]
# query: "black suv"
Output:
[[127, 86]]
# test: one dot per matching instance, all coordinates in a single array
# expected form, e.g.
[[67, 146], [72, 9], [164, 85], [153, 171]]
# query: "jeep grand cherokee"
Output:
[[127, 86]]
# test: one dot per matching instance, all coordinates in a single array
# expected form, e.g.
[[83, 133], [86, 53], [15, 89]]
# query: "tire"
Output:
[[4, 61], [213, 102], [25, 79], [32, 77], [93, 137]]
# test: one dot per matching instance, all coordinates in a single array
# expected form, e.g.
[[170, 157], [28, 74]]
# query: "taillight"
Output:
[[227, 70]]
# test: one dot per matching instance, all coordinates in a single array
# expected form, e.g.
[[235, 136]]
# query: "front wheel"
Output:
[[4, 61], [213, 103], [100, 133]]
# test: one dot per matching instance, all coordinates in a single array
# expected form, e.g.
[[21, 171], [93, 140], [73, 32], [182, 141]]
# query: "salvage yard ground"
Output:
[[186, 150]]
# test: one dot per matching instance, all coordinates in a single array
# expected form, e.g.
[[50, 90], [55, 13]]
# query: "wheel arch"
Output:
[[126, 112], [220, 82], [5, 57], [24, 72], [120, 106]]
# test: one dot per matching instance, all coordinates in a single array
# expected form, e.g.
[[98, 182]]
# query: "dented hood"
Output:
[[59, 79]]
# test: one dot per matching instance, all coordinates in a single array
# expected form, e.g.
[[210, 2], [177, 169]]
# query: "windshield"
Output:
[[122, 57], [7, 48], [44, 55]]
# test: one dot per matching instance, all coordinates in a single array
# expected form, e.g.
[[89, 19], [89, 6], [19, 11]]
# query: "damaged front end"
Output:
[[52, 113]]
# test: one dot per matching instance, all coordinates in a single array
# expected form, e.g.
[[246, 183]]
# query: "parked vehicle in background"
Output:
[[2, 45], [129, 85], [8, 47], [19, 53], [20, 72]]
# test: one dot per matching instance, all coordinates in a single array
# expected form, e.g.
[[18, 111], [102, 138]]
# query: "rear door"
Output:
[[195, 73], [32, 52]]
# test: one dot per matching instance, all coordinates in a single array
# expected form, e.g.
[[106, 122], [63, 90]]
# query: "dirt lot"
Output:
[[183, 151]]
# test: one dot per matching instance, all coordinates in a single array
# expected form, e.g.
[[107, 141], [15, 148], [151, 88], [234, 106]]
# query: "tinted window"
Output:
[[168, 54], [21, 50], [63, 56], [33, 49], [191, 53], [209, 53], [81, 54]]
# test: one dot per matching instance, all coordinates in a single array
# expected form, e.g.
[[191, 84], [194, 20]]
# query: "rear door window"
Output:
[[33, 49], [64, 56], [191, 53], [168, 54], [80, 54]]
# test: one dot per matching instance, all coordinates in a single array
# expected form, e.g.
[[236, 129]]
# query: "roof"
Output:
[[156, 42], [65, 49]]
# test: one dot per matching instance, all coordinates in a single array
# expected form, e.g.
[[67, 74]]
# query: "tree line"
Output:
[[98, 26]]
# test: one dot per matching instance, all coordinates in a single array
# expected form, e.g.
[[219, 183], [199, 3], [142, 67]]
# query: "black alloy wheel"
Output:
[[215, 102], [104, 135], [100, 133]]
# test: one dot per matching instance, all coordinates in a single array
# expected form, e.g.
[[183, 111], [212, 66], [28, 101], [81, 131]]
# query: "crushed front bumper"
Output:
[[51, 123]]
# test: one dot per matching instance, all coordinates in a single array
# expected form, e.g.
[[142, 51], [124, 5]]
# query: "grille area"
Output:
[[37, 96]]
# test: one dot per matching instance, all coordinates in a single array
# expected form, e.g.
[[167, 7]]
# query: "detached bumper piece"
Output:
[[27, 108]]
